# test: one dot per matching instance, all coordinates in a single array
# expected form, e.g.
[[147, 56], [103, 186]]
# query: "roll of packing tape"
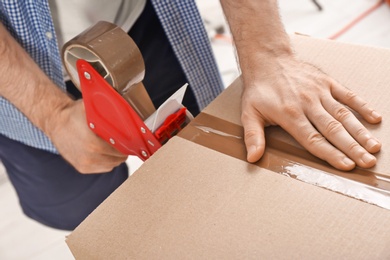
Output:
[[110, 51], [116, 57]]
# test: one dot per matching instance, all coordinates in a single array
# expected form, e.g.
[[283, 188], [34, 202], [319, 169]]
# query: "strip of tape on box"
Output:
[[227, 138]]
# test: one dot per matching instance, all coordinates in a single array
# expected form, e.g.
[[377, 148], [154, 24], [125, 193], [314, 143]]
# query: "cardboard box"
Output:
[[192, 202]]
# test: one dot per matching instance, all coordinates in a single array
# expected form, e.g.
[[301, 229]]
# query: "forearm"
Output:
[[257, 30], [26, 86]]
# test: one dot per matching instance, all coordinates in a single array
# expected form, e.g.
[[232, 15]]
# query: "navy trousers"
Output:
[[50, 190]]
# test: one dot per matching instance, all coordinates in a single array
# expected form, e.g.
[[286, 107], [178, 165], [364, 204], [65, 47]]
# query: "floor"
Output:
[[22, 238]]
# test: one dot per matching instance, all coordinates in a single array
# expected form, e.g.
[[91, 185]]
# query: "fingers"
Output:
[[349, 98], [102, 147], [351, 124], [254, 136], [342, 129], [97, 156], [304, 132], [81, 147], [93, 157], [97, 164], [96, 168]]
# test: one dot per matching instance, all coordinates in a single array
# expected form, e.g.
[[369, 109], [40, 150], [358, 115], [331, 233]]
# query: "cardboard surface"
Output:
[[211, 206], [192, 202]]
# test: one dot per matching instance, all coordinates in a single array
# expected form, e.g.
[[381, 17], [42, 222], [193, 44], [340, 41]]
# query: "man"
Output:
[[59, 190]]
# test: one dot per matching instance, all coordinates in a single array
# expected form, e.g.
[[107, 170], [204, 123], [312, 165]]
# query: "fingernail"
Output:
[[252, 149], [375, 114], [368, 158], [372, 143], [348, 162], [251, 152]]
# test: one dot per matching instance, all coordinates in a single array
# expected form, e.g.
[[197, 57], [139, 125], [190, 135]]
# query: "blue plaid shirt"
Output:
[[30, 23]]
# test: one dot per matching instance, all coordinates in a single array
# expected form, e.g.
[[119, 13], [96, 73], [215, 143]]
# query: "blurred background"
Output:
[[364, 22]]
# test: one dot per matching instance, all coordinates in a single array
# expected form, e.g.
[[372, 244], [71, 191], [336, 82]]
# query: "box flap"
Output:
[[188, 201]]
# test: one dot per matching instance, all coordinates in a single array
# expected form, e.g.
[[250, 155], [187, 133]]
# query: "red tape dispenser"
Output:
[[112, 118], [106, 65]]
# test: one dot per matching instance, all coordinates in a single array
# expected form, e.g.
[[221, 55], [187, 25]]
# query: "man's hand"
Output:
[[309, 105], [25, 85], [279, 90], [82, 148]]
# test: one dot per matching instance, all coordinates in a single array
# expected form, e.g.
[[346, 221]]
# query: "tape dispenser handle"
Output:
[[111, 117]]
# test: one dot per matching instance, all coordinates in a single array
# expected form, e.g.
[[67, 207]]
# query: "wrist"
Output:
[[57, 113], [264, 62]]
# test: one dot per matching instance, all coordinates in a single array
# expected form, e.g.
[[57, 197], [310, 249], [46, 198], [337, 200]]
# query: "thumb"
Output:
[[254, 138]]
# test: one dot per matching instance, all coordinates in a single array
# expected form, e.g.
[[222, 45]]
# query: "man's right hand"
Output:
[[82, 148], [49, 108]]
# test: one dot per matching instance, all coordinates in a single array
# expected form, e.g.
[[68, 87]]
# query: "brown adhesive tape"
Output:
[[116, 57], [227, 138]]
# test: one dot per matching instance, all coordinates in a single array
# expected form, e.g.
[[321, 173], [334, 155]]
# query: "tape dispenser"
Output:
[[105, 64]]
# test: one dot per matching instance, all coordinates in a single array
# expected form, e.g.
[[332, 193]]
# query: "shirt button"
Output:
[[49, 35]]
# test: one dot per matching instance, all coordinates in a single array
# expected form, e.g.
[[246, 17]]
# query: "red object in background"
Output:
[[358, 19]]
